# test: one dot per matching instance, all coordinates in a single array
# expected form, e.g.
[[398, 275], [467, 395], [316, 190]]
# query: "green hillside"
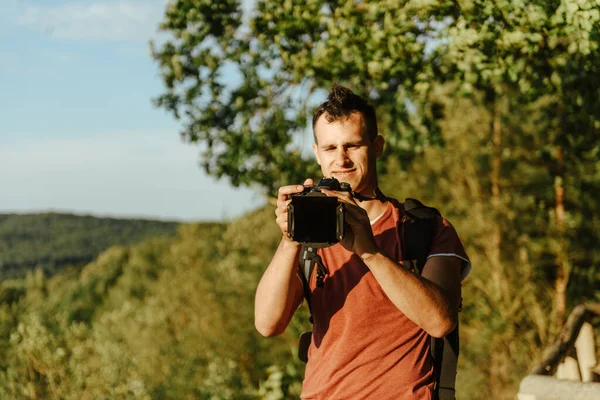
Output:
[[168, 318], [53, 241]]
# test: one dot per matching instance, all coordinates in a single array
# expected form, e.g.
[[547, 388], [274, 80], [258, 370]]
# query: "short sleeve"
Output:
[[446, 243]]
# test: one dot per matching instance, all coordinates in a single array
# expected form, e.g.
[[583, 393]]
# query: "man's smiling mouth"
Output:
[[345, 172]]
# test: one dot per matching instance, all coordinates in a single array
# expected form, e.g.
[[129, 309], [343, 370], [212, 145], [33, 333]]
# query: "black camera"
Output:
[[314, 219]]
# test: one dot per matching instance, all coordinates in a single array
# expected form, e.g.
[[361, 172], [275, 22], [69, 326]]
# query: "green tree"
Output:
[[244, 85], [544, 57], [504, 320]]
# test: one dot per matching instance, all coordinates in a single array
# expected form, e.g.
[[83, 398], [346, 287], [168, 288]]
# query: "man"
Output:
[[372, 316]]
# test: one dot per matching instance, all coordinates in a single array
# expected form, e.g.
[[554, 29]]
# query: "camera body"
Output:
[[315, 219]]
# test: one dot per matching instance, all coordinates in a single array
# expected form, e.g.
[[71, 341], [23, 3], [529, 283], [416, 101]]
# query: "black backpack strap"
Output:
[[310, 259], [307, 267], [417, 233], [445, 358]]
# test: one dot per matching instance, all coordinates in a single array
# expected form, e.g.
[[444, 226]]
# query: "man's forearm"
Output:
[[422, 301], [279, 291]]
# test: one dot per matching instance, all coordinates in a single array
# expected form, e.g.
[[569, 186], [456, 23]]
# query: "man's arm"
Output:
[[430, 300], [280, 290]]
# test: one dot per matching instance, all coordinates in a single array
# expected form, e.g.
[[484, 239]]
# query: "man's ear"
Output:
[[316, 151], [378, 145]]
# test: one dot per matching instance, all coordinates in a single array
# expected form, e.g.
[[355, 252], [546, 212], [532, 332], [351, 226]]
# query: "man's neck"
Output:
[[373, 208]]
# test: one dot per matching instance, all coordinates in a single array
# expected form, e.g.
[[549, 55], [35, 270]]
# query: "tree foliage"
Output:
[[244, 85], [544, 58], [167, 318]]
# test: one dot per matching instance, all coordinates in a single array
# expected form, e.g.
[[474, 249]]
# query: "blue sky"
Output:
[[78, 132]]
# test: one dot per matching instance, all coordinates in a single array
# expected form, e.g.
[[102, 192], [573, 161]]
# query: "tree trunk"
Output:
[[498, 273], [562, 273], [499, 284]]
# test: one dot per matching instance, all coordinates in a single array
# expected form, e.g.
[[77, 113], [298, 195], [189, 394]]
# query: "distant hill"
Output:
[[53, 241]]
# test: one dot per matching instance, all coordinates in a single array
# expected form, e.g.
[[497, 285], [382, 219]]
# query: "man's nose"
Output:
[[342, 156]]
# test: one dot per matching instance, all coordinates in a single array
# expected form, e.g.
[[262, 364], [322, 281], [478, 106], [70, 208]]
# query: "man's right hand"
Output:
[[280, 290], [283, 199]]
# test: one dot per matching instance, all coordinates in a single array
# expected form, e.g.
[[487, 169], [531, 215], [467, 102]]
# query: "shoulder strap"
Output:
[[445, 359], [310, 259], [307, 267], [417, 234]]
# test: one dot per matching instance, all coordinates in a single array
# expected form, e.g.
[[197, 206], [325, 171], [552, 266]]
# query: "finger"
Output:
[[284, 207], [285, 191], [281, 210], [282, 221], [347, 198], [281, 203], [290, 189], [342, 196], [308, 182]]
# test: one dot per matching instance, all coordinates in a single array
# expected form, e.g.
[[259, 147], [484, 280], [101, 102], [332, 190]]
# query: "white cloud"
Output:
[[122, 174], [114, 20]]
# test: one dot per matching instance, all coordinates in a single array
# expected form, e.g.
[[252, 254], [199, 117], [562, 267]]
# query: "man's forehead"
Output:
[[348, 121]]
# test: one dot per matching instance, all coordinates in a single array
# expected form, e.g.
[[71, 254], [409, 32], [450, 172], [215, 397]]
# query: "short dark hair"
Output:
[[340, 103]]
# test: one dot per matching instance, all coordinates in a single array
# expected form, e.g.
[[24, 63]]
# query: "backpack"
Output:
[[416, 233]]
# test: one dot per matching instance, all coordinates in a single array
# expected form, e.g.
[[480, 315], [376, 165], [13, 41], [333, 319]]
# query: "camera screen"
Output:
[[315, 219]]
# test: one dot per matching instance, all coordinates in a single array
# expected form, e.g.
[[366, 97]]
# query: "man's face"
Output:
[[346, 153]]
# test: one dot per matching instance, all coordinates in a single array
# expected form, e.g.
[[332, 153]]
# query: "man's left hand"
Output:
[[358, 235]]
